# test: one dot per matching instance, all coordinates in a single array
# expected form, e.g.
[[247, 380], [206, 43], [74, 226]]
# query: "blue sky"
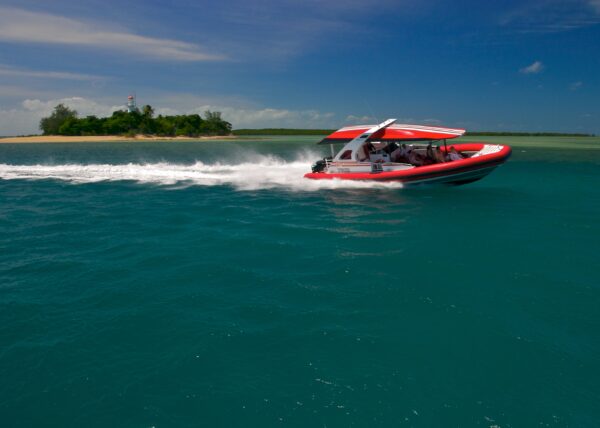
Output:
[[520, 65]]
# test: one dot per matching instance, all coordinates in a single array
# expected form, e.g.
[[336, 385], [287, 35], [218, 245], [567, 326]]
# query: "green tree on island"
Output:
[[148, 111], [64, 121], [51, 125]]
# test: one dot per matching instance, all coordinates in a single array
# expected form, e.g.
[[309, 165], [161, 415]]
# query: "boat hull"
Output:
[[452, 173]]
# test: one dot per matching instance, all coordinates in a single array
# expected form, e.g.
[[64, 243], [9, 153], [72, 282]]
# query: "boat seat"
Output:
[[487, 150]]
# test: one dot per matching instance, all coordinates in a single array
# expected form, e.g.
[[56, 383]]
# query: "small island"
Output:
[[64, 125], [133, 124]]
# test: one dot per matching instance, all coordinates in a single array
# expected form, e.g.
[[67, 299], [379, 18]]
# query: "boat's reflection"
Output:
[[369, 213], [387, 213]]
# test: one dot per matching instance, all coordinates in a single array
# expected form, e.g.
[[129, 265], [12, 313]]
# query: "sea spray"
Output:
[[257, 172]]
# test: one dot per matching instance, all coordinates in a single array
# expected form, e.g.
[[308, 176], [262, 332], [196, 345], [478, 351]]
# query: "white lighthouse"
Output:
[[131, 107]]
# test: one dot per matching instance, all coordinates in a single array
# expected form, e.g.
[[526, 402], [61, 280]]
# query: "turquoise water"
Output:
[[208, 284]]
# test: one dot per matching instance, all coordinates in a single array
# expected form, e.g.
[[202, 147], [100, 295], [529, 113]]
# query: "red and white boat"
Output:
[[390, 152]]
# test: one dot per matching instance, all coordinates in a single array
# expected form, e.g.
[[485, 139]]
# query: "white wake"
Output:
[[264, 172]]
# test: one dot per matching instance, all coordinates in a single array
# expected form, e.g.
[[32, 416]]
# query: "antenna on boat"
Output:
[[371, 111]]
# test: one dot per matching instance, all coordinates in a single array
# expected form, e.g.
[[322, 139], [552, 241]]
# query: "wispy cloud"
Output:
[[535, 68], [575, 86], [551, 16], [22, 26], [352, 119], [595, 5], [14, 92], [281, 29], [84, 106], [6, 70], [271, 117]]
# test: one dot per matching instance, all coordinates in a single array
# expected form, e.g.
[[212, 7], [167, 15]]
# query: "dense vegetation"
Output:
[[51, 125], [64, 121]]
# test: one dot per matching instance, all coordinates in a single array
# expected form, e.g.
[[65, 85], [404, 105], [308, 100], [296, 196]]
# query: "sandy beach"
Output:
[[103, 138]]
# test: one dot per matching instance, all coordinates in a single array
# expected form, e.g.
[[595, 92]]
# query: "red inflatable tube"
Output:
[[455, 172]]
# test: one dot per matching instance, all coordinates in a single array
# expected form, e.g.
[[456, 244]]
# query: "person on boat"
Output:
[[417, 159], [438, 156], [363, 153], [400, 154], [395, 154], [390, 148], [429, 157], [429, 151], [454, 155]]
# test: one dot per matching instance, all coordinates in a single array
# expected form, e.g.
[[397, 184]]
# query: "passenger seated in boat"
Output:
[[395, 155], [400, 154], [390, 148], [454, 155], [405, 150], [429, 157], [347, 155], [429, 151], [438, 156], [416, 159], [363, 153]]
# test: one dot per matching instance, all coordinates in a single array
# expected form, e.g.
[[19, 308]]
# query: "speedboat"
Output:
[[406, 153]]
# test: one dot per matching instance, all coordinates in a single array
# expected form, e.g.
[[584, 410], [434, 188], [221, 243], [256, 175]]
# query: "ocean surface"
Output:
[[207, 284]]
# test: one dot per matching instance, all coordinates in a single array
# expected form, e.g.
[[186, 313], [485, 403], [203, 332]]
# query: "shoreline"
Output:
[[104, 139]]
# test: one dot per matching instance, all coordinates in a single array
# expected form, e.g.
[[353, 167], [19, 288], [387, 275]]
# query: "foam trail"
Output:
[[264, 172]]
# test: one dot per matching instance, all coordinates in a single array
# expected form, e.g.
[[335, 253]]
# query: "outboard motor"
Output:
[[319, 166]]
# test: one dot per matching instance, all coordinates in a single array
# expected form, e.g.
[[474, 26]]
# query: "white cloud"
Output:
[[542, 17], [6, 70], [534, 68], [18, 25], [84, 106], [360, 120], [271, 117], [281, 29], [18, 92], [17, 122], [575, 86], [595, 4], [25, 119], [432, 121]]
